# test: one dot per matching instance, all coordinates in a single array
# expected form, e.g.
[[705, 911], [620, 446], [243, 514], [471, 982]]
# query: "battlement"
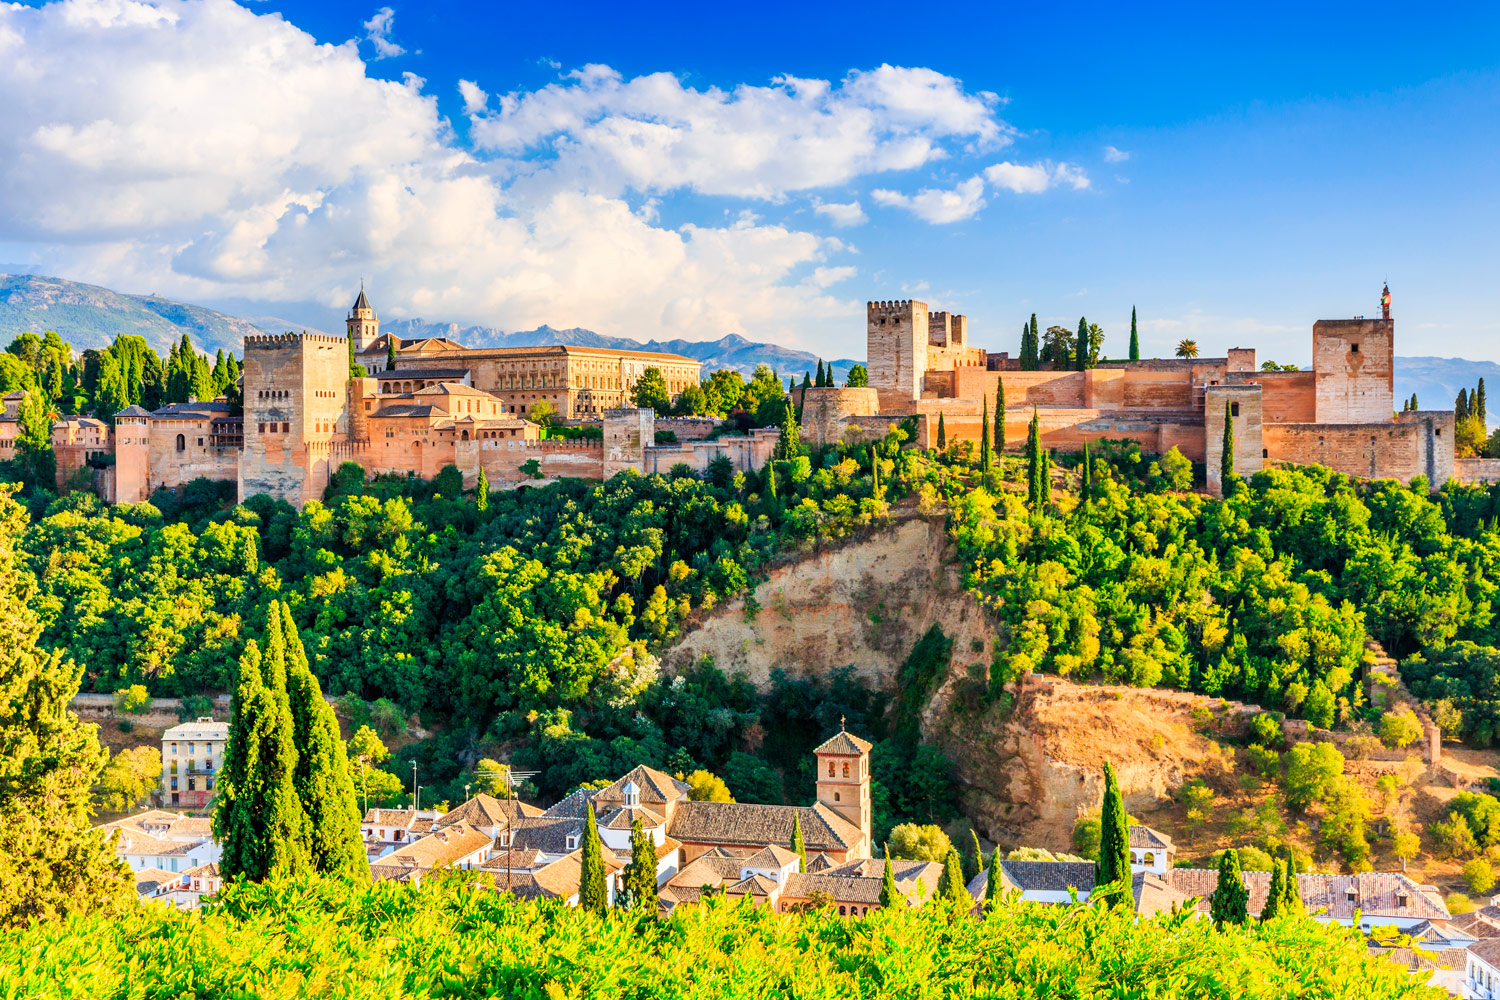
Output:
[[893, 307], [274, 341]]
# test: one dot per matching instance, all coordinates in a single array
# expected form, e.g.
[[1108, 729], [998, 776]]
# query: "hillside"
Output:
[[89, 316]]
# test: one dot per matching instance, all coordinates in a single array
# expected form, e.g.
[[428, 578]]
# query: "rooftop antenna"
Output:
[[513, 781]]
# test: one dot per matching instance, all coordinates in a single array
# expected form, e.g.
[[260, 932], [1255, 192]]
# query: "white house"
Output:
[[164, 840]]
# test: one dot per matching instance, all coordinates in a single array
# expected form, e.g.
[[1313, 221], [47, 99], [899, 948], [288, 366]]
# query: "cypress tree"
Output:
[[889, 894], [799, 846], [819, 382], [232, 365], [1135, 342], [482, 492], [1275, 893], [1291, 900], [942, 441], [640, 873], [771, 479], [1000, 416], [1034, 462], [1036, 343], [324, 783], [1086, 486], [1461, 405], [390, 352], [875, 476], [1226, 458], [984, 442], [592, 896], [788, 445], [1229, 902], [1047, 476], [1082, 349], [1113, 864], [974, 860], [52, 864], [951, 888], [807, 381], [259, 820], [1025, 345], [1414, 401], [1479, 407], [992, 879]]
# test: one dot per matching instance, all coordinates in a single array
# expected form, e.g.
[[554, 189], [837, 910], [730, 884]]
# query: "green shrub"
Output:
[[1479, 876], [134, 699]]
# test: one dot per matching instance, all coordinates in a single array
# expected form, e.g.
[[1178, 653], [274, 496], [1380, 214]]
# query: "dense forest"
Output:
[[315, 937]]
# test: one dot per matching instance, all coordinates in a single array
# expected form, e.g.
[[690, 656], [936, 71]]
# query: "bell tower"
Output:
[[844, 782], [364, 325]]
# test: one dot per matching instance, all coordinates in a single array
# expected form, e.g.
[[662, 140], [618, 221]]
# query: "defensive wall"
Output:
[[1477, 470]]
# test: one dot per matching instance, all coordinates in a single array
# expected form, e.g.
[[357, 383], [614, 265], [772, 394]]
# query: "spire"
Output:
[[361, 302]]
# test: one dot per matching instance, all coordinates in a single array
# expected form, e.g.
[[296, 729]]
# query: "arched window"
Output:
[[835, 796], [830, 768], [841, 912], [1150, 859], [846, 769], [181, 443]]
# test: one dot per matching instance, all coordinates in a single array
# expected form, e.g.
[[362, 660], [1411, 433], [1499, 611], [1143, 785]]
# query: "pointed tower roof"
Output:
[[361, 302]]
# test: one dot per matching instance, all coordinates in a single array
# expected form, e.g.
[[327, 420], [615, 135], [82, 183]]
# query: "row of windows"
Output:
[[286, 428]]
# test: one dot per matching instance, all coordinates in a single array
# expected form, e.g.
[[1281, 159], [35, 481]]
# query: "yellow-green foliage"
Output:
[[384, 942]]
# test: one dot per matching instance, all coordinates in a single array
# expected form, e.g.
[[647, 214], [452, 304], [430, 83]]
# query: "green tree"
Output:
[[130, 776], [889, 894], [973, 860], [919, 842], [1081, 345], [52, 865], [942, 434], [1400, 729], [992, 883], [705, 786], [35, 463], [951, 888], [1135, 341], [859, 377], [819, 382], [1229, 902], [1187, 349], [482, 492], [1113, 864], [799, 846], [390, 352], [1226, 456], [640, 873], [1034, 469], [1479, 875], [984, 442], [324, 784], [1312, 771], [1406, 845], [1030, 346], [592, 894], [650, 392], [1275, 894], [1086, 479], [259, 821], [1291, 900], [999, 416], [788, 445]]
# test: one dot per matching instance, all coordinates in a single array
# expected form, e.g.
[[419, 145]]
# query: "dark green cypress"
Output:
[[390, 352], [875, 476], [1086, 486], [1229, 902], [482, 492], [324, 784], [1274, 895], [1113, 864], [1047, 475], [640, 873], [1135, 342], [1291, 900], [1226, 459], [1479, 406], [819, 382], [942, 441], [1034, 462], [592, 895], [771, 479], [992, 884], [999, 416], [259, 819], [951, 888], [799, 846], [974, 860], [1461, 405], [351, 352], [984, 442], [1081, 350], [788, 445], [889, 894]]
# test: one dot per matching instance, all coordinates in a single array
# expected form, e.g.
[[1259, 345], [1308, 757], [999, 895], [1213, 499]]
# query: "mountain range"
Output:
[[90, 316]]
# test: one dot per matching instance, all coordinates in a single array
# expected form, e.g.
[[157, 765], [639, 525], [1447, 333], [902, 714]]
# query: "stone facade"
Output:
[[1339, 414], [304, 416]]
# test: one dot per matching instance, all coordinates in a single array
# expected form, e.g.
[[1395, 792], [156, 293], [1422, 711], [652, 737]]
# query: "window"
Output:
[[572, 841], [1353, 348], [846, 769], [1150, 859], [1265, 453], [830, 766], [181, 443], [835, 796], [1234, 409]]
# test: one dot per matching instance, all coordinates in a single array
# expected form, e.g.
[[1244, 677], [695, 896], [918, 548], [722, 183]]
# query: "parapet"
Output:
[[274, 341], [894, 307]]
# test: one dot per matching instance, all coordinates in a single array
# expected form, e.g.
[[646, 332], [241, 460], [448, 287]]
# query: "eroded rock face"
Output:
[[1026, 774], [863, 604]]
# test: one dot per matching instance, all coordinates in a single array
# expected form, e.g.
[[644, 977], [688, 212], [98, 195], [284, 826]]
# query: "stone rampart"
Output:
[[1477, 470]]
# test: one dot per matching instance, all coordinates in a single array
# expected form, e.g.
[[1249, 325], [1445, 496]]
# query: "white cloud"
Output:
[[652, 133], [1113, 155], [378, 33], [842, 215], [1036, 177], [474, 98], [937, 205], [201, 150]]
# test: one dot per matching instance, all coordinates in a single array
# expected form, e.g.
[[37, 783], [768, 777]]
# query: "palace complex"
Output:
[[1340, 414]]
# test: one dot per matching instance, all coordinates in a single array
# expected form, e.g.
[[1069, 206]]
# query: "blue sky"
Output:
[[1235, 174]]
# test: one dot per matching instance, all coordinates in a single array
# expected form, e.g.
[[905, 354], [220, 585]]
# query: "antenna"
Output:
[[513, 780]]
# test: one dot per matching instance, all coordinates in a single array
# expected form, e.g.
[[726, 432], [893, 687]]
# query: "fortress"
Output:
[[1341, 414], [441, 405]]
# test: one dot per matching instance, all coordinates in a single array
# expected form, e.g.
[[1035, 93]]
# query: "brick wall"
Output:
[[826, 412], [896, 345], [295, 408], [1477, 470], [1244, 404], [1286, 397], [1354, 368], [1384, 450]]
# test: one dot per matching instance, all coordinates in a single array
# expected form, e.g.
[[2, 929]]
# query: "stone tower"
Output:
[[364, 325], [1354, 371], [296, 410], [897, 338], [844, 781]]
